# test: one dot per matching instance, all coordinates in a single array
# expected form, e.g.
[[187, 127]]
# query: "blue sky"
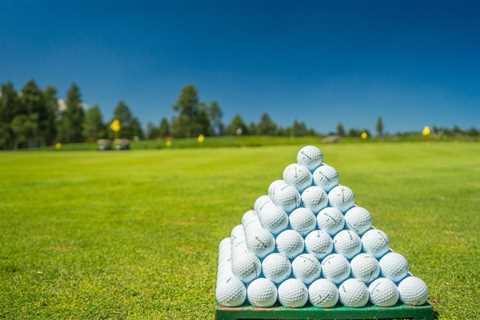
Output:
[[412, 63]]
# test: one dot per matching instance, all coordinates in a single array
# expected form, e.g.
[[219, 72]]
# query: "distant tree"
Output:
[[51, 102], [9, 108], [129, 125], [299, 129], [354, 132], [25, 129], [93, 126], [164, 128], [33, 105], [70, 128], [266, 126], [340, 130], [379, 127], [137, 130], [152, 131], [215, 114], [192, 117], [252, 128], [237, 126]]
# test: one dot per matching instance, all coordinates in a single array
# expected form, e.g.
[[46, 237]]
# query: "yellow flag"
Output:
[[115, 126], [426, 131], [364, 135], [201, 138]]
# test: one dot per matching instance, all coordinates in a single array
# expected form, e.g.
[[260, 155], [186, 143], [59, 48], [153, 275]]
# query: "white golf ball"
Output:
[[261, 242], [413, 291], [248, 216], [314, 198], [274, 186], [261, 202], [306, 268], [358, 219], [297, 176], [237, 233], [375, 242], [319, 243], [273, 218], [394, 266], [302, 220], [287, 198], [323, 293], [348, 243], [341, 197], [326, 177], [292, 293], [290, 242], [246, 266], [365, 267], [230, 292], [262, 293], [310, 156], [276, 267], [336, 268], [353, 293], [330, 220], [383, 292]]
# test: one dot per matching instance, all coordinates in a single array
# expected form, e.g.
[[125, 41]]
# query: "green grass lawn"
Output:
[[134, 234]]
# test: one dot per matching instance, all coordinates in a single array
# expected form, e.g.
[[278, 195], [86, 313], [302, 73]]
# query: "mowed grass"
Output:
[[97, 235]]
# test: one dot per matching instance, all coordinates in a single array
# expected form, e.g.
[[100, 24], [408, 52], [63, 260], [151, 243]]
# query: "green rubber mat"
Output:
[[370, 312]]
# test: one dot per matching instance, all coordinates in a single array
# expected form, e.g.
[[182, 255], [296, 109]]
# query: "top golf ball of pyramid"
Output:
[[307, 240]]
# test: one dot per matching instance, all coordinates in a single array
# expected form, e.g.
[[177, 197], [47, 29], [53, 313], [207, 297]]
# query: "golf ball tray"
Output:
[[314, 251]]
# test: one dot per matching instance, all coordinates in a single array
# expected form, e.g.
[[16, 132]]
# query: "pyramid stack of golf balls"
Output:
[[307, 242]]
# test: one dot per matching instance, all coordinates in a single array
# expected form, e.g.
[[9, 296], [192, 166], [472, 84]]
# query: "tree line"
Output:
[[35, 117]]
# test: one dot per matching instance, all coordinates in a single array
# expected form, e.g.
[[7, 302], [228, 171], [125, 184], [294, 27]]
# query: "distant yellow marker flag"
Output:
[[364, 135], [426, 131], [115, 126], [201, 138]]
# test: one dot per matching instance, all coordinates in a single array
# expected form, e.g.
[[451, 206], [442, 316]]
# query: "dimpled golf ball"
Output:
[[383, 292], [310, 157], [330, 220], [365, 267], [274, 186], [248, 216], [273, 218], [261, 202], [326, 177], [358, 219], [237, 232], [314, 198], [290, 242], [230, 292], [297, 176], [348, 243], [375, 242], [353, 293], [246, 266], [319, 243], [276, 267], [394, 266], [287, 198], [336, 268], [323, 293], [262, 293], [341, 197], [413, 291], [292, 293], [306, 268], [302, 220]]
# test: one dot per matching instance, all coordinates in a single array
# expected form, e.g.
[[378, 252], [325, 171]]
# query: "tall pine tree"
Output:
[[71, 120]]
